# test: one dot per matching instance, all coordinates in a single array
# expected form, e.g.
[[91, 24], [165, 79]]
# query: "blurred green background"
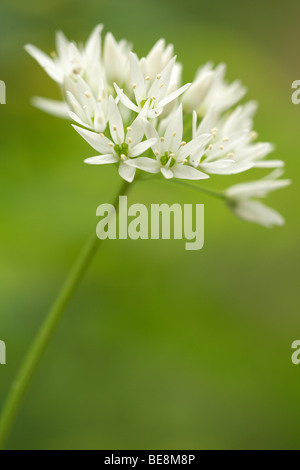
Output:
[[160, 348]]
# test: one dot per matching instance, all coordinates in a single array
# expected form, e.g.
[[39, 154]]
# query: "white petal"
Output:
[[167, 173], [102, 160], [93, 45], [140, 148], [146, 164], [56, 108], [137, 78], [258, 188], [216, 167], [269, 164], [256, 212], [188, 172], [125, 100], [127, 172], [194, 146], [173, 134], [101, 144], [173, 95], [115, 121], [52, 70]]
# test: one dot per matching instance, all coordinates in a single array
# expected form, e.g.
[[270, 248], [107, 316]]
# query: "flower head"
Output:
[[137, 114]]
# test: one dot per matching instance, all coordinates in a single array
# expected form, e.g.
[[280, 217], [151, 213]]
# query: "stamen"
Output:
[[158, 76], [114, 127], [226, 139], [101, 134], [161, 85], [111, 144], [53, 54], [123, 157], [130, 140], [210, 147], [230, 155], [134, 86], [87, 94], [147, 78], [183, 143], [174, 134], [156, 153], [99, 99], [85, 106], [221, 147], [129, 129], [162, 139], [253, 135]]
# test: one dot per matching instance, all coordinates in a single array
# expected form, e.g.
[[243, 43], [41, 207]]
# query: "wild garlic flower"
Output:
[[172, 152], [157, 90], [120, 148], [241, 200], [210, 89], [139, 116]]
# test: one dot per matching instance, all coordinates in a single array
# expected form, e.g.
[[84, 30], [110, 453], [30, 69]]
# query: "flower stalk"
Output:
[[31, 362]]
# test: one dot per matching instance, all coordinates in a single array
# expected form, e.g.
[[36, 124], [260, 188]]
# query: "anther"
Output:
[[123, 157], [114, 127], [87, 94], [226, 139], [210, 147], [158, 76], [134, 86], [221, 147], [147, 78], [129, 129], [156, 153], [162, 139], [183, 143]]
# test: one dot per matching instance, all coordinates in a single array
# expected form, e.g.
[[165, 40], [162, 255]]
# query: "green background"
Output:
[[160, 348]]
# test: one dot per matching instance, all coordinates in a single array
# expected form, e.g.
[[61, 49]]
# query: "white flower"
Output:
[[87, 110], [115, 61], [71, 60], [157, 91], [120, 148], [232, 149], [239, 199], [171, 152], [210, 89]]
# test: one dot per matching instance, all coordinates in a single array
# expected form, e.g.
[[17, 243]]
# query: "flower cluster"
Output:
[[137, 114]]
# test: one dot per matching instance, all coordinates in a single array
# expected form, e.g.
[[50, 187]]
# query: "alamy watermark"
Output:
[[296, 94], [2, 352], [296, 353], [161, 222], [2, 92]]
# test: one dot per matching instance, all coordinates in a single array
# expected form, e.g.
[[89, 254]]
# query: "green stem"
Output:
[[29, 366], [210, 192]]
